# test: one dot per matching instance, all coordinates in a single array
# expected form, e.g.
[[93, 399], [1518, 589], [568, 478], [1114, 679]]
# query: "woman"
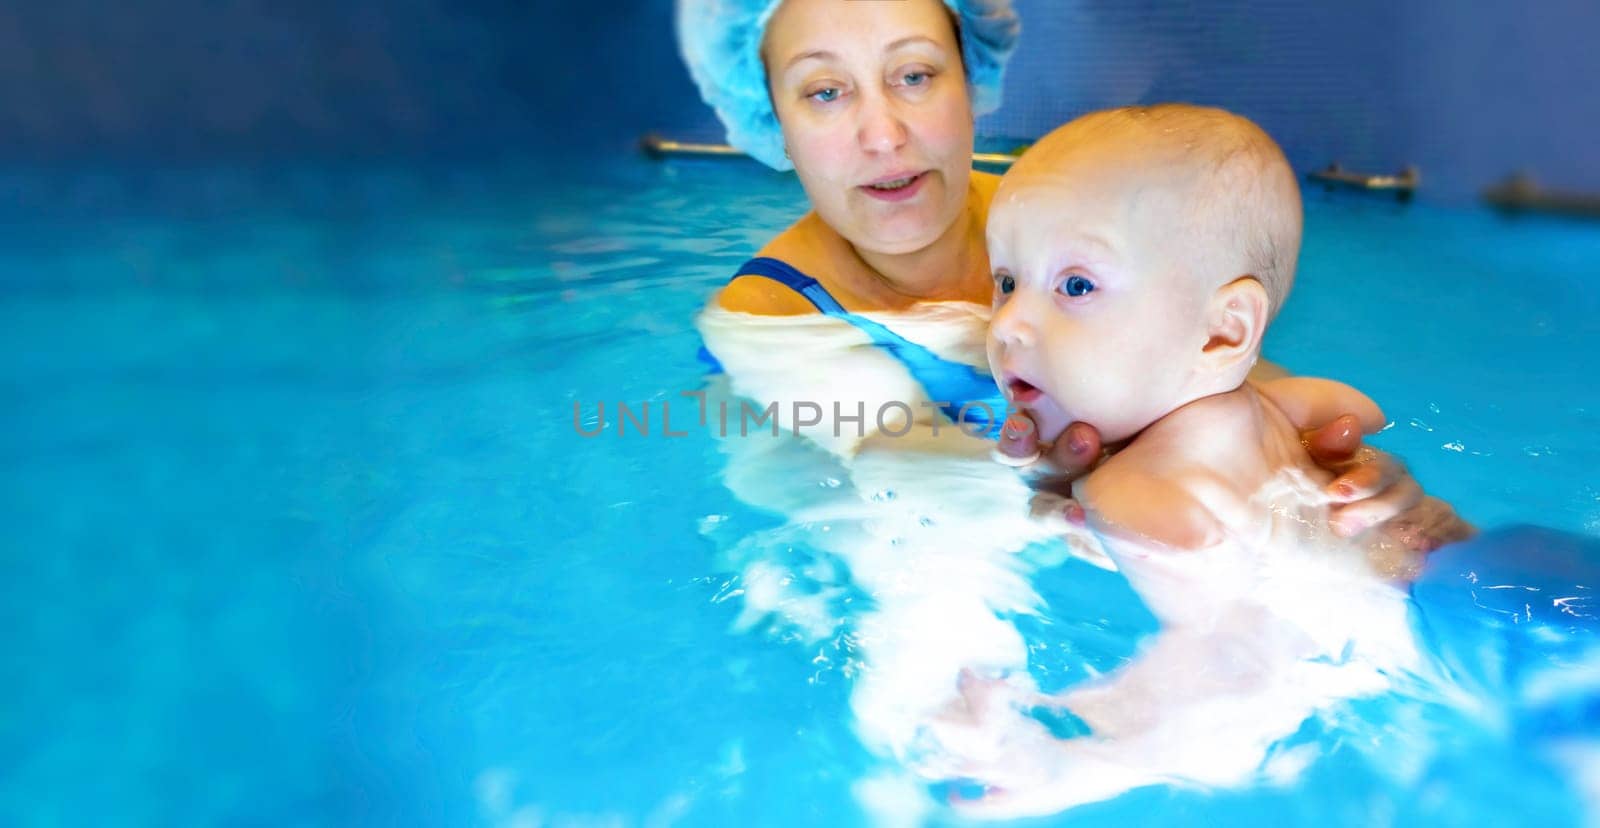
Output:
[[876, 301], [872, 105]]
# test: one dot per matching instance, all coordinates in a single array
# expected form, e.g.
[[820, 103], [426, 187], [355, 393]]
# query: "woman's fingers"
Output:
[[1335, 443], [1428, 525], [1076, 451], [1352, 518], [1019, 441], [1374, 489], [1374, 473]]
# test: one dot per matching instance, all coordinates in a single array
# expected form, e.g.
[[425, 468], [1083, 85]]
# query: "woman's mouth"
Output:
[[897, 188]]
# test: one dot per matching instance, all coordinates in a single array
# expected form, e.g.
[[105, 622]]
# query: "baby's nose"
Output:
[[1010, 326]]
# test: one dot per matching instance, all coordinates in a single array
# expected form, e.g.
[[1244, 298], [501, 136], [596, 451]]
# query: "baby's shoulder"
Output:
[[1183, 479], [1145, 498], [1217, 430]]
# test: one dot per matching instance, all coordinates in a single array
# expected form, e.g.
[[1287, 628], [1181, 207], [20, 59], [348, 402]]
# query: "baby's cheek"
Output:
[[1101, 397], [1113, 395]]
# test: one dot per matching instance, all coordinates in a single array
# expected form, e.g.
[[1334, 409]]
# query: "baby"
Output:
[[1139, 255]]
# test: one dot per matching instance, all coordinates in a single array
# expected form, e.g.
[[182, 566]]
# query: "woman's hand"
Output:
[[1374, 490], [1074, 453]]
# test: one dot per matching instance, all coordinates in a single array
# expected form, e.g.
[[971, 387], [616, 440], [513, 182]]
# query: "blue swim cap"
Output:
[[721, 42]]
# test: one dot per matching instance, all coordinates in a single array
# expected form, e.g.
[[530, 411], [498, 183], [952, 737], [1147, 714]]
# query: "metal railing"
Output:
[[1516, 194], [658, 147], [1521, 194], [1403, 185]]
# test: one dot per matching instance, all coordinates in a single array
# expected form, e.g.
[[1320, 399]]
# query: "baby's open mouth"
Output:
[[1021, 391]]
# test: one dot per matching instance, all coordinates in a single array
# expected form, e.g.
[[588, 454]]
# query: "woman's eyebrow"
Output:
[[906, 41], [814, 54], [824, 54]]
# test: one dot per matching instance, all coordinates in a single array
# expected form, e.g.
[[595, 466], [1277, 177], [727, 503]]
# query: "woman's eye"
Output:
[[1076, 286], [1005, 282], [825, 95]]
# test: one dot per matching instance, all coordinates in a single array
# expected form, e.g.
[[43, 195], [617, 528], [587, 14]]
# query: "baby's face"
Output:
[[1097, 316]]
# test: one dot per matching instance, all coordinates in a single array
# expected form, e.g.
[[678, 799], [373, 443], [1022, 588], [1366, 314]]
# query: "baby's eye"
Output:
[[914, 78], [1076, 286], [1005, 282], [826, 95]]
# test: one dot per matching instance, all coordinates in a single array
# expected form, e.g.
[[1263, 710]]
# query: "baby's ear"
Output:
[[1236, 319]]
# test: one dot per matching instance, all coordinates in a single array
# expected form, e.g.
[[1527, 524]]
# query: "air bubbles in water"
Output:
[[709, 523]]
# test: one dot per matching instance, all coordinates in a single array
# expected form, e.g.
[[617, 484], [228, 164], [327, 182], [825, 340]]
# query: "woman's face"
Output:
[[874, 107]]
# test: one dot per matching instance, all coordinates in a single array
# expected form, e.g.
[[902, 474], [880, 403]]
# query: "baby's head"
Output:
[[1138, 256]]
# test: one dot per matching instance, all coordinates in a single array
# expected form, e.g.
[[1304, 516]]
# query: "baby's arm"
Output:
[[1133, 501], [1174, 486]]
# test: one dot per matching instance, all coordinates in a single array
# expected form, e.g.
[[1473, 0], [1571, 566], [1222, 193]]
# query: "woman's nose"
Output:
[[881, 129]]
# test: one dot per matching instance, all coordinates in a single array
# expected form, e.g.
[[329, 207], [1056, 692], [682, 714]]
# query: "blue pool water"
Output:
[[301, 531]]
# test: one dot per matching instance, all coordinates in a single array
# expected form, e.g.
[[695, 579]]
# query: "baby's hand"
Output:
[[985, 733], [978, 720], [1028, 773], [1063, 512], [1052, 775], [1039, 795], [1064, 515]]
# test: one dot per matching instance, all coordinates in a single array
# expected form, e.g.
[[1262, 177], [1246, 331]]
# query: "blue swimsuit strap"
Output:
[[958, 385], [784, 273]]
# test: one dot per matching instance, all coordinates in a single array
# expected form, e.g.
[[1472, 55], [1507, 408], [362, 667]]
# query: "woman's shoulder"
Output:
[[985, 183], [797, 246], [983, 188], [760, 296]]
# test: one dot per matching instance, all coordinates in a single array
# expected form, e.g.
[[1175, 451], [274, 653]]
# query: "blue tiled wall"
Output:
[[1469, 92], [82, 80], [1319, 77]]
